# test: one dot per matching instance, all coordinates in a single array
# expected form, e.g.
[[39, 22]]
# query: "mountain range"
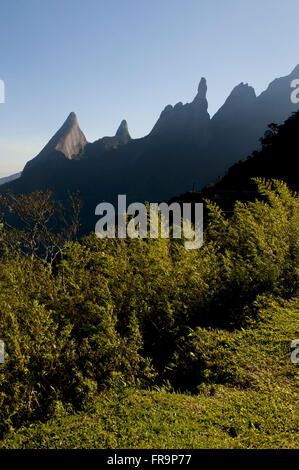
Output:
[[185, 149], [277, 159], [7, 179]]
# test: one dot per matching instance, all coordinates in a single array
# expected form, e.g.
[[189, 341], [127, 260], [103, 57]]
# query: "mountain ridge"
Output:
[[185, 148]]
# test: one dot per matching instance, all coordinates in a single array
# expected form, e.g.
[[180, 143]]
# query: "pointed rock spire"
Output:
[[202, 88], [191, 116], [69, 139], [122, 132], [201, 97]]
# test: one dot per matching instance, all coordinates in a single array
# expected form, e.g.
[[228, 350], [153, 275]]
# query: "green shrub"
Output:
[[112, 313]]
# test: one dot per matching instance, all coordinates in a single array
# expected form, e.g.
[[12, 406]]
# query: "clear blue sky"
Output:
[[109, 60]]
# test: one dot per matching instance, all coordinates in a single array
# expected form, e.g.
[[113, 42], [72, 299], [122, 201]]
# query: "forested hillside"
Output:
[[82, 318]]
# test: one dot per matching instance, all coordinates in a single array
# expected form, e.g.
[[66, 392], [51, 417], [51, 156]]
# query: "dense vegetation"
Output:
[[259, 415], [83, 318]]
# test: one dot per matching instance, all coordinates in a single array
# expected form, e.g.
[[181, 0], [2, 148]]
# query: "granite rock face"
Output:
[[122, 132], [45, 170], [69, 140]]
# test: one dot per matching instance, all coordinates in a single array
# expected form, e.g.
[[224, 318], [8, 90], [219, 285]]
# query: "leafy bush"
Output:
[[246, 358], [109, 313]]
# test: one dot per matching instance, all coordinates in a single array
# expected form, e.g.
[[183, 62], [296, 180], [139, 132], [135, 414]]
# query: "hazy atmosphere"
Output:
[[115, 60]]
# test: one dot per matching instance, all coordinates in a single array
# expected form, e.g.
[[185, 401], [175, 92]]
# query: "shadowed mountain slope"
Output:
[[277, 159]]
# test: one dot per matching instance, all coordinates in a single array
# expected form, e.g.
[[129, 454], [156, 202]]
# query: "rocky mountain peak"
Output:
[[240, 100], [241, 90], [296, 71], [201, 97], [69, 139], [122, 132]]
